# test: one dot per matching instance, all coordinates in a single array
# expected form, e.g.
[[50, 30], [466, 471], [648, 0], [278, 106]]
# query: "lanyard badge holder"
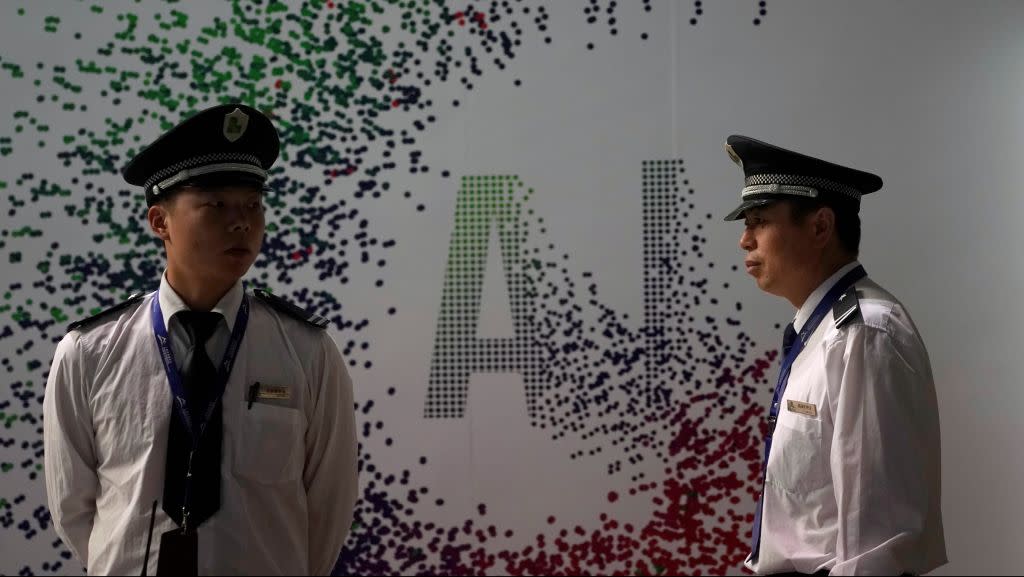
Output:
[[179, 553]]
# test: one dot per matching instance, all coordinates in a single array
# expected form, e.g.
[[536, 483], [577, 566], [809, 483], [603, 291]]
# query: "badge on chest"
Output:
[[264, 392], [802, 408]]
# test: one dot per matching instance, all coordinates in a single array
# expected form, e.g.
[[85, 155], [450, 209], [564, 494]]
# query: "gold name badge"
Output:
[[273, 392], [802, 408]]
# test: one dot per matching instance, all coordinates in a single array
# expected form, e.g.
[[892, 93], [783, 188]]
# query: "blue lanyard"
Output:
[[808, 329], [163, 342]]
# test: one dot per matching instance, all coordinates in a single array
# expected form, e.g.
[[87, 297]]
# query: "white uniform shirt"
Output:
[[288, 470], [855, 488]]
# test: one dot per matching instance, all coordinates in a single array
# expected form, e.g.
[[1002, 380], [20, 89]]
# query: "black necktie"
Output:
[[787, 340], [199, 380]]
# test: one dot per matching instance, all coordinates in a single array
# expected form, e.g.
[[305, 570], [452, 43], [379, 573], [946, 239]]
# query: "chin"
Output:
[[233, 268], [237, 271], [765, 284]]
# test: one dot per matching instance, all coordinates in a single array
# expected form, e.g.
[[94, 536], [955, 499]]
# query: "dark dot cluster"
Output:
[[699, 5]]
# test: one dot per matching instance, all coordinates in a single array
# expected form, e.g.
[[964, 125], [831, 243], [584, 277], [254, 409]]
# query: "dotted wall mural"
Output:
[[354, 88]]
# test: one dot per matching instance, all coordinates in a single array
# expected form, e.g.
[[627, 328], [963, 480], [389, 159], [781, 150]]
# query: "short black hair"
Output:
[[847, 218]]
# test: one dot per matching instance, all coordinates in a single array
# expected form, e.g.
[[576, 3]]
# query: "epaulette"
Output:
[[88, 322], [291, 310], [847, 308]]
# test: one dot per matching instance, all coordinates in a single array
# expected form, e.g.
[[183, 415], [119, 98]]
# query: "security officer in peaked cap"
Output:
[[851, 473], [214, 420]]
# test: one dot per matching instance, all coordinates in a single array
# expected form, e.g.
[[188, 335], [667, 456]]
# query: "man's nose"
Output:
[[747, 240]]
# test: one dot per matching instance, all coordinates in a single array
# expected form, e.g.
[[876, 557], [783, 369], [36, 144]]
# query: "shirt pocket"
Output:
[[799, 455], [270, 446]]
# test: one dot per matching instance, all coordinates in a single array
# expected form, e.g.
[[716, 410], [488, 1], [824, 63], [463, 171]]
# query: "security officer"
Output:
[[231, 409], [852, 477]]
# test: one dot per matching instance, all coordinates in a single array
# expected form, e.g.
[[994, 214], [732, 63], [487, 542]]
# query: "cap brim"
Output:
[[747, 205], [212, 181], [225, 179]]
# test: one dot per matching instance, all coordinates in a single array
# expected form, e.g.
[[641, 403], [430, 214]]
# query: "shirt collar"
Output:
[[819, 293], [227, 306]]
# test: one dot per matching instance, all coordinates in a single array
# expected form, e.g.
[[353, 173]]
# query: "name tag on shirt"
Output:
[[802, 408], [275, 392]]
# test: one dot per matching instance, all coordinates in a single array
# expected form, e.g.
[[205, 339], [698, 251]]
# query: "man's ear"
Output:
[[823, 222], [158, 215]]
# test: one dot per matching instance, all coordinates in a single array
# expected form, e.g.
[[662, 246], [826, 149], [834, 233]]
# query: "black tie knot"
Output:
[[788, 339], [199, 325]]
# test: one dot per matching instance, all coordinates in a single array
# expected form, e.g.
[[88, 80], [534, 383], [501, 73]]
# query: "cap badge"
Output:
[[733, 156], [235, 124]]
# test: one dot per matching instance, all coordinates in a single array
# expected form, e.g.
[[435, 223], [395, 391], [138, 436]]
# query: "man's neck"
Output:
[[199, 294], [818, 274]]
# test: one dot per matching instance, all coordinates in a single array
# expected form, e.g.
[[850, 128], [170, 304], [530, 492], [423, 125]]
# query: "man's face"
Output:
[[778, 249], [215, 233]]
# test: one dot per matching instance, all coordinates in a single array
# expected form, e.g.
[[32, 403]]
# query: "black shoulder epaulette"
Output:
[[847, 308], [291, 310], [88, 322]]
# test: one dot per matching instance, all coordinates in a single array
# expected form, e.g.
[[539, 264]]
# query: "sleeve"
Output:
[[330, 473], [885, 453], [69, 457]]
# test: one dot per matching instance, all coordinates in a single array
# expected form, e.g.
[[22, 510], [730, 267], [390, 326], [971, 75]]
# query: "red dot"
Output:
[[613, 497], [551, 520]]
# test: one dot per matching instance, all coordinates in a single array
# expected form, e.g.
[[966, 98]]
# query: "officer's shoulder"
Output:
[[846, 310], [110, 313], [290, 310], [869, 305]]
